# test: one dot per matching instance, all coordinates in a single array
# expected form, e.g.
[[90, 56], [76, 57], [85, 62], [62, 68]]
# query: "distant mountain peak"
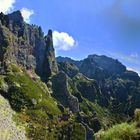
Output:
[[16, 16]]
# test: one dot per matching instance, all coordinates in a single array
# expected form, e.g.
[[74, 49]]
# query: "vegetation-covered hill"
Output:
[[119, 87]]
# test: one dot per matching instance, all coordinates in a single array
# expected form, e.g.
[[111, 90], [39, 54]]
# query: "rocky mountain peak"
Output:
[[96, 66], [26, 46], [107, 63], [50, 32], [16, 17], [11, 20]]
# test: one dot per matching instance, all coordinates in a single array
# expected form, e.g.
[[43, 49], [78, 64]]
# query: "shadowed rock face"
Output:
[[61, 92], [26, 46]]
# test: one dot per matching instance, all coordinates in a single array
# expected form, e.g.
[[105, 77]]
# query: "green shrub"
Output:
[[137, 117], [122, 131], [78, 132], [13, 68]]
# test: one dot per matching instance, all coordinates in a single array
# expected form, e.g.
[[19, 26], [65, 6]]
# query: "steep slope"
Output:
[[88, 94], [119, 87], [36, 110]]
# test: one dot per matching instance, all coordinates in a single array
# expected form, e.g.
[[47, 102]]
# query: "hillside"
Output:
[[63, 99], [119, 86]]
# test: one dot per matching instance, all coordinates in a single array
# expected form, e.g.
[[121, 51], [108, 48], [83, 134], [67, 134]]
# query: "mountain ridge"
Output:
[[71, 60], [108, 73]]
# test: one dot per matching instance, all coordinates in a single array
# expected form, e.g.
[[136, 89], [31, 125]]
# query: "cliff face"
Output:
[[26, 46], [62, 93]]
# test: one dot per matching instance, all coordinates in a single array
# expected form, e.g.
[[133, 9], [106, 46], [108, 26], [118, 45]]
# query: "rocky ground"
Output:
[[8, 128]]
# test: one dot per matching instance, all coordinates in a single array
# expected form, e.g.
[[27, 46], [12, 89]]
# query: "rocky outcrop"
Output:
[[89, 133], [69, 68], [26, 46], [73, 103], [61, 92]]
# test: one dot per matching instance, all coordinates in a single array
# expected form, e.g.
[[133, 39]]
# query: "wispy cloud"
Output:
[[132, 58], [6, 5], [63, 41], [27, 13], [134, 55]]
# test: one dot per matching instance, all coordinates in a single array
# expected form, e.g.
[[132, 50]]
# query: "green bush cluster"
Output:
[[123, 131]]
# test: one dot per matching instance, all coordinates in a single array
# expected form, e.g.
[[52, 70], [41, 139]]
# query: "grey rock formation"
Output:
[[26, 46], [61, 92], [73, 103]]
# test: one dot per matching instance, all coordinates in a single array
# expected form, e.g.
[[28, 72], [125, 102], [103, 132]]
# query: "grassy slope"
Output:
[[36, 110]]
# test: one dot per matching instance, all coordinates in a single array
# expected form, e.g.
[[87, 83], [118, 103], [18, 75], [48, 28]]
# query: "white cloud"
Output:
[[63, 41], [6, 5], [27, 13]]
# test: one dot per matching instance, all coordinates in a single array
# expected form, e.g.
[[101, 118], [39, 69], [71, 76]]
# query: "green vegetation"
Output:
[[31, 99], [137, 117], [85, 90], [36, 110], [123, 131], [78, 132], [13, 68]]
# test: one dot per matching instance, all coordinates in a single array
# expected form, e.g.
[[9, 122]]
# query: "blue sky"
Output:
[[83, 27]]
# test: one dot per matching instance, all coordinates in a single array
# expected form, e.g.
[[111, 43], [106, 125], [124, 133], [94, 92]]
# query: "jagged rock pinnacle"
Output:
[[27, 44]]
